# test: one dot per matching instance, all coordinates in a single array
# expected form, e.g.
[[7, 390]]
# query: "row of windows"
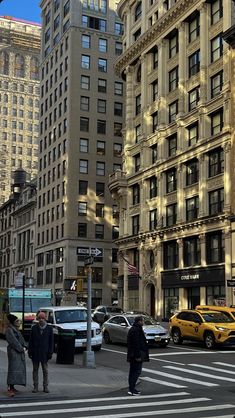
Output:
[[20, 113], [54, 78], [100, 167], [99, 231], [101, 106], [85, 84], [96, 23], [102, 44], [48, 236], [19, 138], [54, 59], [99, 209], [100, 147], [101, 126], [99, 6], [19, 64], [21, 88], [58, 253], [51, 215], [20, 125], [6, 98]]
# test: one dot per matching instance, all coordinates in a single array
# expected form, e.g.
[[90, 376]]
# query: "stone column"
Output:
[[162, 112], [128, 27], [144, 212], [204, 53], [180, 194], [144, 94], [129, 106], [202, 185], [182, 67], [160, 180], [202, 238], [181, 254], [227, 177]]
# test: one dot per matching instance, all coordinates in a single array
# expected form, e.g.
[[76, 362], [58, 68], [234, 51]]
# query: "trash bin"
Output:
[[65, 347]]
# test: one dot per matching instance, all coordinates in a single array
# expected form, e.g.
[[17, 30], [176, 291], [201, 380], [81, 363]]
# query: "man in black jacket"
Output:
[[40, 350], [137, 353]]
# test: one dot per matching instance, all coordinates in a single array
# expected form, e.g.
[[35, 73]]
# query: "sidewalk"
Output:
[[73, 381]]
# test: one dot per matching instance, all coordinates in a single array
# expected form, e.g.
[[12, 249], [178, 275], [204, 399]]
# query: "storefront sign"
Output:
[[190, 277], [230, 283], [194, 277]]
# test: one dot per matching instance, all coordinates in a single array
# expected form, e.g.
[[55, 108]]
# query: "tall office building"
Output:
[[80, 144], [175, 189], [19, 99]]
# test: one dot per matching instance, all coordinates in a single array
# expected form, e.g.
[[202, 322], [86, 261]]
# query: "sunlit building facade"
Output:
[[174, 191], [19, 99], [80, 145]]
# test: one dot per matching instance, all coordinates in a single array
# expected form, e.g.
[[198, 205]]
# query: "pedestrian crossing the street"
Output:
[[182, 376], [171, 405]]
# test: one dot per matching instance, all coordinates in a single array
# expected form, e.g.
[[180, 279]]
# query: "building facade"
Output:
[[19, 99], [80, 144], [174, 191]]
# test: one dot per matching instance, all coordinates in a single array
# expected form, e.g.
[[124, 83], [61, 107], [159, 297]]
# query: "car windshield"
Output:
[[70, 315], [147, 320], [216, 317]]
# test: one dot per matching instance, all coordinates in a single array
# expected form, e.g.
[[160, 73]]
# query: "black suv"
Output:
[[104, 312]]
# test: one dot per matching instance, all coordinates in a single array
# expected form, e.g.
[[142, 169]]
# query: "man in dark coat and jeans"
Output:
[[137, 353], [40, 350]]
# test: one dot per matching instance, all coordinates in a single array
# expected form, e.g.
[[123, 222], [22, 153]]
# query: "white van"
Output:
[[73, 318]]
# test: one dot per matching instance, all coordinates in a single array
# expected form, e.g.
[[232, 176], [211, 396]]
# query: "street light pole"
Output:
[[88, 356], [23, 302]]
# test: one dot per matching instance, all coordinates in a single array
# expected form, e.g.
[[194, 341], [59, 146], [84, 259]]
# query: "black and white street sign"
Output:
[[88, 261], [96, 252]]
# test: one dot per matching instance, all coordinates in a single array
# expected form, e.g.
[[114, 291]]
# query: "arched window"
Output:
[[138, 11], [138, 74], [4, 63], [19, 66], [34, 69]]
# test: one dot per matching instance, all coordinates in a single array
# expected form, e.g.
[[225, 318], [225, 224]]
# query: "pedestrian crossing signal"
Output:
[[73, 283]]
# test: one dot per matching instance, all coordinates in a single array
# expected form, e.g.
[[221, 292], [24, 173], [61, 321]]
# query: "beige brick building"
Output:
[[80, 144], [19, 99], [174, 192]]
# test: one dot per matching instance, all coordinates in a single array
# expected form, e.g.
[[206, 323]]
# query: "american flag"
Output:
[[130, 267]]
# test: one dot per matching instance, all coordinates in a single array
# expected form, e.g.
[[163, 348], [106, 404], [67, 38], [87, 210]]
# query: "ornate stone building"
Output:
[[19, 99], [174, 192]]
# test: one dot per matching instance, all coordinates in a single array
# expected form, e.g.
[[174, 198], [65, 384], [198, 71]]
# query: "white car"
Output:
[[73, 318]]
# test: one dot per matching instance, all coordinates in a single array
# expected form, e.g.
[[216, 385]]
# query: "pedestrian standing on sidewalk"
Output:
[[41, 344], [137, 353], [16, 355]]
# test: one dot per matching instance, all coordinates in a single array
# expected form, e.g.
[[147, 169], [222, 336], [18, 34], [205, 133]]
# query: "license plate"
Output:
[[157, 338]]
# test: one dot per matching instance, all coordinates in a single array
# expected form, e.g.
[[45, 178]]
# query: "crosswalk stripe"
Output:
[[220, 363], [211, 376], [216, 369], [94, 400], [161, 382], [104, 408], [173, 376], [220, 416]]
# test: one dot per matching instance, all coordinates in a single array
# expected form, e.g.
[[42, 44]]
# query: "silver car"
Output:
[[117, 327]]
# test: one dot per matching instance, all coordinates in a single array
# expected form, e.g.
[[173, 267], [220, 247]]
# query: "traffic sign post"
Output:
[[89, 356], [88, 261]]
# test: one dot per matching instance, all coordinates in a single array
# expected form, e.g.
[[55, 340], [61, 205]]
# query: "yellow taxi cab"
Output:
[[210, 327], [230, 312]]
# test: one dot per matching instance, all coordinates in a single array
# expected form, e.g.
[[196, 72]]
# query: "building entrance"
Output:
[[193, 297]]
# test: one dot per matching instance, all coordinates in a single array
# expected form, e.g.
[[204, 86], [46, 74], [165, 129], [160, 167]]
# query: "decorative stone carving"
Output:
[[214, 183]]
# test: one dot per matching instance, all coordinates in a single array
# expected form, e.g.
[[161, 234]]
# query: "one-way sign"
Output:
[[89, 251]]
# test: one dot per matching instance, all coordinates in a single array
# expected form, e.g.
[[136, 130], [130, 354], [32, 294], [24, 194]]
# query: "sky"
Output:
[[21, 9]]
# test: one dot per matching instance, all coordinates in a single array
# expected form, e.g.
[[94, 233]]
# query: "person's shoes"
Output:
[[46, 390], [134, 393], [10, 393], [35, 390], [15, 390]]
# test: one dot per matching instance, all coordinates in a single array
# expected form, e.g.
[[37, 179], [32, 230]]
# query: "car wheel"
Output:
[[176, 336], [97, 347], [209, 340], [107, 338]]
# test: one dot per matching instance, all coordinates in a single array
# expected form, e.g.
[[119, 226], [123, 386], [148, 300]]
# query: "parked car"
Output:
[[104, 312], [117, 327], [210, 327], [73, 318]]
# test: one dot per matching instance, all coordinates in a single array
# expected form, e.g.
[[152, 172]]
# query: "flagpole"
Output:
[[125, 287]]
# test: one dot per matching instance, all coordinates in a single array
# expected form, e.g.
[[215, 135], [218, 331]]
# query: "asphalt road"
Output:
[[184, 381]]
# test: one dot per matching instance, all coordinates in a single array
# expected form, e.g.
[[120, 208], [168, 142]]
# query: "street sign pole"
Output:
[[23, 303], [88, 356]]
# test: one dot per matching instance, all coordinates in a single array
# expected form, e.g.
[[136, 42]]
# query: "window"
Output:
[[137, 162], [135, 224], [155, 58], [102, 85], [84, 124], [84, 103], [192, 172], [82, 208], [137, 34], [100, 147], [173, 111], [171, 180], [118, 88], [193, 98], [192, 251], [85, 63], [173, 79], [117, 150], [138, 11], [118, 48], [172, 145], [100, 168], [216, 162], [83, 185], [216, 84], [216, 11], [138, 133], [154, 90], [153, 187], [66, 8], [117, 129], [171, 214], [216, 202], [99, 231], [56, 22], [82, 230], [194, 28], [215, 247], [102, 65], [216, 122], [83, 166], [154, 121], [194, 63], [118, 109], [101, 106], [192, 206], [85, 82], [170, 255], [216, 48], [118, 27], [173, 45], [86, 41], [83, 145], [115, 232], [152, 219], [99, 211], [100, 189], [138, 104], [103, 45], [154, 152], [101, 126], [192, 134], [135, 194]]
